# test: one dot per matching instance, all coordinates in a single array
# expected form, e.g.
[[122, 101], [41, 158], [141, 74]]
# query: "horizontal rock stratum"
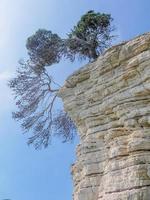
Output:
[[109, 101]]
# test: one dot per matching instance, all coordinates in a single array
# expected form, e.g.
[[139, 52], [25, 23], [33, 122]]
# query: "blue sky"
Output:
[[26, 174]]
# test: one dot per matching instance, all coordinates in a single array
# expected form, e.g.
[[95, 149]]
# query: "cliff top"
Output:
[[114, 55]]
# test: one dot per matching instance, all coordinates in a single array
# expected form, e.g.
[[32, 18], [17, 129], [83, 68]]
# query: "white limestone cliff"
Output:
[[109, 101]]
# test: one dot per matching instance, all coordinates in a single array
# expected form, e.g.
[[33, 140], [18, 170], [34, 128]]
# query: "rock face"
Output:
[[109, 101]]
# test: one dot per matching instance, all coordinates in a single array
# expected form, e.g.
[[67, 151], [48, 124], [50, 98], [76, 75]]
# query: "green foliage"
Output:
[[45, 48], [87, 40], [91, 36]]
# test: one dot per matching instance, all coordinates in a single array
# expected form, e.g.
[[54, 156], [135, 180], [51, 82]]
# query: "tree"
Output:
[[35, 100], [44, 49], [35, 90], [91, 36]]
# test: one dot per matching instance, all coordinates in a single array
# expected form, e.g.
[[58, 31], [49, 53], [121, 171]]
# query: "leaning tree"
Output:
[[34, 88]]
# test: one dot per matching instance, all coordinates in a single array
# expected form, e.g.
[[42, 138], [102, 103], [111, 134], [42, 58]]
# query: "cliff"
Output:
[[109, 101]]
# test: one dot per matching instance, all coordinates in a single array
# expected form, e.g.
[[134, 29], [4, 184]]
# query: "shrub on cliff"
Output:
[[34, 88]]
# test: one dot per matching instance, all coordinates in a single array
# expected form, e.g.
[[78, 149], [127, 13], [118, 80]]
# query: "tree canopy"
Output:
[[45, 47], [91, 36], [35, 90]]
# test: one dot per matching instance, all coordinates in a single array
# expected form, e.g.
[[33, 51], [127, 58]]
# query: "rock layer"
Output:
[[109, 101]]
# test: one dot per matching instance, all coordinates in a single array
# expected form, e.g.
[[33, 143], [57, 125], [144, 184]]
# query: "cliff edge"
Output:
[[109, 101]]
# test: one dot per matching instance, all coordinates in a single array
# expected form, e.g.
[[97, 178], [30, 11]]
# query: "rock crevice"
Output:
[[109, 101]]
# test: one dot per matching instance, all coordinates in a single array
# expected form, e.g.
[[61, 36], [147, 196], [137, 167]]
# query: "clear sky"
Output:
[[26, 174]]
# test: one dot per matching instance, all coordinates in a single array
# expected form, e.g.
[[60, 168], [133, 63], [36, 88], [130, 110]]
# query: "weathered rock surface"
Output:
[[109, 101]]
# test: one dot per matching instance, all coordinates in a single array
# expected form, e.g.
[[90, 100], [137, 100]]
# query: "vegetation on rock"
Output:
[[34, 88]]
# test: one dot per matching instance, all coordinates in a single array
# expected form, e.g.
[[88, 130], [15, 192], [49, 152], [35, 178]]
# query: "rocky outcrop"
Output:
[[109, 101]]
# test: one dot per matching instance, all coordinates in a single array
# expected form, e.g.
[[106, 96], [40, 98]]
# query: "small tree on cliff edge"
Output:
[[91, 36], [35, 90]]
